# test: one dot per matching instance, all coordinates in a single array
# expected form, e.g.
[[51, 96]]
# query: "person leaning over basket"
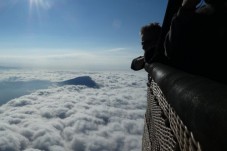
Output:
[[149, 38], [197, 39]]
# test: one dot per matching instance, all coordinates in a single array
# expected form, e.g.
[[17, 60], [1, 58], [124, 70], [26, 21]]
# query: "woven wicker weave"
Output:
[[163, 129]]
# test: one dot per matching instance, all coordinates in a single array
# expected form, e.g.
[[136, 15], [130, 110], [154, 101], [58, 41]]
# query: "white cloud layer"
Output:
[[75, 117]]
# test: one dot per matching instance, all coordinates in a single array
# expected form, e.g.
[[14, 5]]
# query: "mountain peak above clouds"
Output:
[[73, 117], [82, 80]]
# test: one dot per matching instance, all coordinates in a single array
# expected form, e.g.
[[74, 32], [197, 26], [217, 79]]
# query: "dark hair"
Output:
[[216, 2], [152, 28]]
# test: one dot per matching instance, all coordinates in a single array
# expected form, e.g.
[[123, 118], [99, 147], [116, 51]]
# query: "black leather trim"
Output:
[[200, 103]]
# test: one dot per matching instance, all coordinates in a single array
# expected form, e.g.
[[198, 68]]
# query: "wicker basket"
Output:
[[163, 129]]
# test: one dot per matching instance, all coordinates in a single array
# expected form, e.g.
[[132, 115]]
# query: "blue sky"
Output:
[[74, 34]]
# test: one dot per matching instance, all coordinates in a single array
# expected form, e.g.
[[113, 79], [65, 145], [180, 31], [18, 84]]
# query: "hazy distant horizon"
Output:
[[74, 34], [50, 41], [113, 60], [68, 68]]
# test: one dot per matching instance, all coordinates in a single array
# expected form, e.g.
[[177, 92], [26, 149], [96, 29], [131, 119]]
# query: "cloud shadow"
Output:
[[13, 89]]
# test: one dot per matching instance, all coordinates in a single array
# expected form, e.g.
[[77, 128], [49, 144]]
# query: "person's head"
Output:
[[150, 35]]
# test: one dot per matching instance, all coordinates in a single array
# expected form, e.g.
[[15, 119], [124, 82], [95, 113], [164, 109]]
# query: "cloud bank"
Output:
[[76, 117]]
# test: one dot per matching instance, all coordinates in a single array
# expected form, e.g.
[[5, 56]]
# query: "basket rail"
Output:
[[184, 112]]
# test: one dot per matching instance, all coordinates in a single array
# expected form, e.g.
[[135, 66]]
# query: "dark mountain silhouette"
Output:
[[12, 88], [83, 80]]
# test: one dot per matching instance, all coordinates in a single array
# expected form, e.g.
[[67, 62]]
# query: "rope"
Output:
[[163, 129]]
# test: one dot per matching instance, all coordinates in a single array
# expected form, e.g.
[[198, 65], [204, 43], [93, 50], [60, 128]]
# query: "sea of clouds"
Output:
[[75, 117]]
